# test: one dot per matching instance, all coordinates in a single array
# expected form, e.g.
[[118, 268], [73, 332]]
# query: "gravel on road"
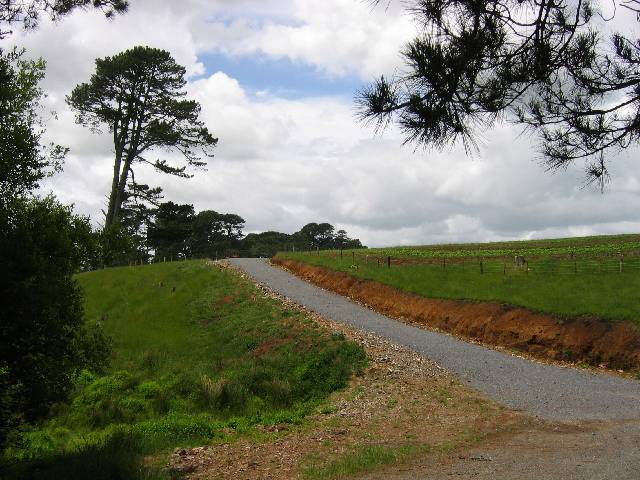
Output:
[[547, 391]]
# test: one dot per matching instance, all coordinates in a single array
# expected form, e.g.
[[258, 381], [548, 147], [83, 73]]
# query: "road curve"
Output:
[[546, 391]]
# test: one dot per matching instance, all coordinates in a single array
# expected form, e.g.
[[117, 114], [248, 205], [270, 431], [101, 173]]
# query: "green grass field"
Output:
[[580, 247], [570, 279], [197, 352]]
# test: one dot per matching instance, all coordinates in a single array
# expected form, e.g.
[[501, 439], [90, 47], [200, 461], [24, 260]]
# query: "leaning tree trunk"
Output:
[[117, 196]]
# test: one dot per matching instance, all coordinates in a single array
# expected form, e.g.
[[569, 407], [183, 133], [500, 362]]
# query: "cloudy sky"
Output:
[[276, 80]]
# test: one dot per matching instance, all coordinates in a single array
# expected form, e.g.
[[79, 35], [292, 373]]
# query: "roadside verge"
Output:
[[592, 340]]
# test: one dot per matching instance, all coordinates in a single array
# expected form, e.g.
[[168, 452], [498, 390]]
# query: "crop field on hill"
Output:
[[592, 276], [199, 356]]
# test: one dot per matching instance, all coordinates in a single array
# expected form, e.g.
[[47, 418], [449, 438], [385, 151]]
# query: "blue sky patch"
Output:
[[280, 77]]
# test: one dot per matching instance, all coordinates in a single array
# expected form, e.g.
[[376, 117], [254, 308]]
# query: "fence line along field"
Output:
[[598, 275]]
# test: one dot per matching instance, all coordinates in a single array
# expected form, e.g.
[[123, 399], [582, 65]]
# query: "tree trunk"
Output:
[[117, 143], [119, 196], [109, 220]]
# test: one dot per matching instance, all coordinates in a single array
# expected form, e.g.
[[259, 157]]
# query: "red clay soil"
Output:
[[592, 340]]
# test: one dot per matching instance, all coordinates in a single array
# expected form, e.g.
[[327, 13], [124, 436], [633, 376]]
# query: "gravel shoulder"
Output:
[[542, 390], [597, 451]]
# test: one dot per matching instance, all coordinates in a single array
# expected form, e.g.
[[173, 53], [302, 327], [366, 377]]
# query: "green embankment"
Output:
[[198, 352], [571, 279]]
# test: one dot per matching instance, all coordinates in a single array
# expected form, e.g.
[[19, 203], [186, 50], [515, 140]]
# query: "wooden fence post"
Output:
[[389, 262], [481, 267]]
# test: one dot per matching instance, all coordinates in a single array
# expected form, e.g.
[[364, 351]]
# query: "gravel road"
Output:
[[546, 391]]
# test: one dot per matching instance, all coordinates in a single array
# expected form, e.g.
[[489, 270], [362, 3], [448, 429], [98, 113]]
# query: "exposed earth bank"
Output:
[[583, 339]]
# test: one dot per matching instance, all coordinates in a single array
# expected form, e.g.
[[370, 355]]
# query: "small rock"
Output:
[[482, 458]]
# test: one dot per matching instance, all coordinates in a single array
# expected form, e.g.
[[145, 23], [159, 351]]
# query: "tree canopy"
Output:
[[543, 63], [23, 159], [27, 13], [138, 95]]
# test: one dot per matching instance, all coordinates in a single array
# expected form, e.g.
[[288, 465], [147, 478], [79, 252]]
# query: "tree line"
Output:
[[171, 231]]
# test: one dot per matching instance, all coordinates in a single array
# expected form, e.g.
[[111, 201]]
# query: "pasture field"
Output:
[[578, 247], [592, 276], [200, 355]]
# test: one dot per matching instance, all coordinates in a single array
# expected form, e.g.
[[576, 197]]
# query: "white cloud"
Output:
[[282, 163]]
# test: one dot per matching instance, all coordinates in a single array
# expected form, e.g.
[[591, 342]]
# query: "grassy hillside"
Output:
[[199, 355], [583, 276]]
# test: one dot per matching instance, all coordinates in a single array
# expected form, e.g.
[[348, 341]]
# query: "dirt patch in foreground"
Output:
[[592, 340]]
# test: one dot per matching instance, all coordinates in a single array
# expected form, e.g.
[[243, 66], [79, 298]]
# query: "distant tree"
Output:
[[28, 13], [216, 233], [169, 234], [308, 234], [207, 233], [319, 235], [233, 225], [543, 64], [267, 244], [138, 94], [341, 239], [138, 210], [325, 235]]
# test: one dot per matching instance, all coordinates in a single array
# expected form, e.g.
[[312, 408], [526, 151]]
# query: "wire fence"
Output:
[[494, 265]]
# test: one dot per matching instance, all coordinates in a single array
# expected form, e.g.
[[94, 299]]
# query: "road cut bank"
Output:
[[592, 340]]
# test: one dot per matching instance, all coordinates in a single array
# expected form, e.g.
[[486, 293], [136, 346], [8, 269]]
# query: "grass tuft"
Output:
[[361, 460]]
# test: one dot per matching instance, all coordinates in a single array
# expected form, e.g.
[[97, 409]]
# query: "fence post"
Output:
[[575, 267], [621, 265], [340, 254], [389, 262], [481, 267], [353, 257], [444, 263]]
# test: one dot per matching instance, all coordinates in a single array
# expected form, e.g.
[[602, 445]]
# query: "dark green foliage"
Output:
[[321, 235], [43, 337], [266, 244], [310, 237], [543, 63], [215, 234], [28, 12], [23, 161], [117, 457], [170, 232], [139, 96]]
